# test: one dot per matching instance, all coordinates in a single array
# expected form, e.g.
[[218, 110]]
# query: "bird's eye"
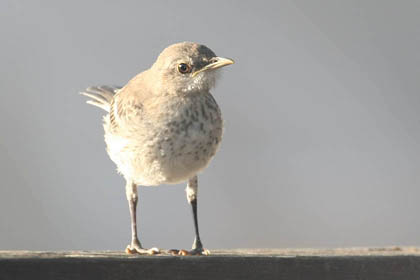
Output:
[[184, 68]]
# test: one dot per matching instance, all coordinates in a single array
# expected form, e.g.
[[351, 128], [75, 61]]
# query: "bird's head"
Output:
[[187, 67]]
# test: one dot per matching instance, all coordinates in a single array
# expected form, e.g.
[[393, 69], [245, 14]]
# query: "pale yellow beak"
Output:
[[218, 62]]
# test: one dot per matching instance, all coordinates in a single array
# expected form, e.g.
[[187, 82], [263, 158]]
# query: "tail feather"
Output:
[[101, 96]]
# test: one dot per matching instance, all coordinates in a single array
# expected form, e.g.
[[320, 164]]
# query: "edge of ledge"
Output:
[[303, 252]]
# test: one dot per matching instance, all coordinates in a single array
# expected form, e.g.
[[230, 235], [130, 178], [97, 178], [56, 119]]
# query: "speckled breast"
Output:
[[189, 138]]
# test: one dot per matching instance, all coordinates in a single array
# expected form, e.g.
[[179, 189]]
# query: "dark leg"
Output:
[[135, 246], [197, 241], [192, 189]]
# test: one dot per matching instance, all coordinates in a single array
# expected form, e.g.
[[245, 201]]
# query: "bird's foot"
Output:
[[136, 249], [193, 252]]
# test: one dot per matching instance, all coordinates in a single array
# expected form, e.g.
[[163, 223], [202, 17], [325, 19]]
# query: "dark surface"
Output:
[[237, 264]]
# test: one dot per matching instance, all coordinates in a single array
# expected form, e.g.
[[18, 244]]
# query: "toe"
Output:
[[205, 252], [130, 250], [173, 252], [184, 253], [153, 251], [138, 250], [194, 252]]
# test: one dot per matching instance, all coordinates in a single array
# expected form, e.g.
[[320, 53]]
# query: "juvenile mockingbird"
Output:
[[164, 126]]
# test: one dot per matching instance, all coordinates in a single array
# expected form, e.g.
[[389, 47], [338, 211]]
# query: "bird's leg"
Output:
[[192, 192], [197, 247], [135, 246]]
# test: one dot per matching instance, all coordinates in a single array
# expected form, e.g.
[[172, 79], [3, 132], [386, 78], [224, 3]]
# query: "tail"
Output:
[[101, 96]]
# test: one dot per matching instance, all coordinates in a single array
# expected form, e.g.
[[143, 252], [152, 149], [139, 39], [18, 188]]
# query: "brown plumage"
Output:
[[164, 126]]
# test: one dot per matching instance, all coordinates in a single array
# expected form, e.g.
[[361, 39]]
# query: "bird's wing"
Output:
[[126, 113]]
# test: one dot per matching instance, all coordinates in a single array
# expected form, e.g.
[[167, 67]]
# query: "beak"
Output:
[[217, 62]]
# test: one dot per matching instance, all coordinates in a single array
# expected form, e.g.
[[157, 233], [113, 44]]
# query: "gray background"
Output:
[[321, 146]]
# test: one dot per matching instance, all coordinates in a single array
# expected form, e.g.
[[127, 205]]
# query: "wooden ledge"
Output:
[[352, 263]]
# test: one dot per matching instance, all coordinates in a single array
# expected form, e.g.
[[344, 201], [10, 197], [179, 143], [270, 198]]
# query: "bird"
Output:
[[164, 127]]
